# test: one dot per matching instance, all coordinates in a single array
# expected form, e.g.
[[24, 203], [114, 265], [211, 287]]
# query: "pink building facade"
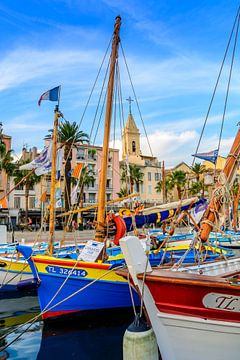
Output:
[[91, 157]]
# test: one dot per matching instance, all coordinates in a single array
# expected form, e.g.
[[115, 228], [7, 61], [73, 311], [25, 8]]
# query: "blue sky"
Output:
[[173, 49]]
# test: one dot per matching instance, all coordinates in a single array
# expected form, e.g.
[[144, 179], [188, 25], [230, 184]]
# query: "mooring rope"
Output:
[[35, 318]]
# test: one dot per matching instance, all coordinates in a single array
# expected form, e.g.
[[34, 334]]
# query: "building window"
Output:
[[149, 176], [92, 183], [149, 189], [92, 197], [17, 202], [108, 183], [157, 177], [31, 202], [109, 197], [141, 188], [80, 154], [133, 147]]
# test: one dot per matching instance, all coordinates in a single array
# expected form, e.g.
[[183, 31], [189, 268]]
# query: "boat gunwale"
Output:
[[70, 262]]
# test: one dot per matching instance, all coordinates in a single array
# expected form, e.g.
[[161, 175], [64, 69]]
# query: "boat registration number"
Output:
[[224, 302], [66, 271]]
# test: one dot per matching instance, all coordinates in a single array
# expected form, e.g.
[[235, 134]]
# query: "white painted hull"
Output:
[[198, 339], [186, 337]]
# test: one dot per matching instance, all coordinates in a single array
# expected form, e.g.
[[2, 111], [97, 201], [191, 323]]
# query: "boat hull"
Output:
[[67, 286], [195, 311], [13, 271], [99, 296], [206, 339]]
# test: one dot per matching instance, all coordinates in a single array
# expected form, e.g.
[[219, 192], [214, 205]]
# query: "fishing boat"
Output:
[[65, 285], [194, 310]]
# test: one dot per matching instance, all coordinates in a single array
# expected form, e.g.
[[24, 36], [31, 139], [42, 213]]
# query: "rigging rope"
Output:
[[216, 84], [135, 96], [228, 86]]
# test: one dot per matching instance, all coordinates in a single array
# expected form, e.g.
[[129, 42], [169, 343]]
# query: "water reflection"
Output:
[[80, 337], [85, 339]]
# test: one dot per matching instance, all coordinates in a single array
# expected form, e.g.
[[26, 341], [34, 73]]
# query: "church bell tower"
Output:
[[131, 137]]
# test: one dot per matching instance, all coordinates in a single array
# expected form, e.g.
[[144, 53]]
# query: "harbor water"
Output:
[[73, 338]]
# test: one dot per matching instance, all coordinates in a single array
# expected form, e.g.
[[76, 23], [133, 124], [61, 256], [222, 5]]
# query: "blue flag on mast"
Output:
[[209, 156], [52, 95]]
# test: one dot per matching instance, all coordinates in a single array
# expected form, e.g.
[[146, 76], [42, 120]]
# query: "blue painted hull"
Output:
[[101, 295]]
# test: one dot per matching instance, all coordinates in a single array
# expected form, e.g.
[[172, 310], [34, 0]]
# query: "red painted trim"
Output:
[[51, 314], [187, 299], [68, 262]]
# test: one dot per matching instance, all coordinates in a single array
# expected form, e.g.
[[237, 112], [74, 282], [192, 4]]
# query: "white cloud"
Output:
[[174, 147], [25, 64]]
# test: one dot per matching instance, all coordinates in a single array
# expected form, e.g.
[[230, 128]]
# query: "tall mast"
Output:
[[227, 178], [99, 236], [53, 182]]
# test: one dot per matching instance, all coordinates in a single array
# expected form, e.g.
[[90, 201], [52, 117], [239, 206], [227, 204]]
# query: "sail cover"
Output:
[[160, 214]]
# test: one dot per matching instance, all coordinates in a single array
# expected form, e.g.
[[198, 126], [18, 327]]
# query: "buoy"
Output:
[[139, 342]]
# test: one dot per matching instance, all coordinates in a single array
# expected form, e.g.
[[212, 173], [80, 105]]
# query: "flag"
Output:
[[43, 163], [52, 95], [77, 171], [58, 203], [3, 203], [209, 156], [74, 193], [39, 160], [43, 197]]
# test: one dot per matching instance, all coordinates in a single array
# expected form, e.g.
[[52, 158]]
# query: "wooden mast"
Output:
[[100, 228], [53, 182], [229, 173]]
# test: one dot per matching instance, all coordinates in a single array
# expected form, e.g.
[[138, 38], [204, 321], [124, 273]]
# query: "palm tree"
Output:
[[6, 163], [28, 183], [86, 179], [198, 169], [69, 136], [123, 192], [158, 187], [6, 160], [135, 176], [177, 179], [196, 187]]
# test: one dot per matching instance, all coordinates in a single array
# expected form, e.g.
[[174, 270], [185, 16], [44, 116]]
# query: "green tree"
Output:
[[86, 179], [28, 183], [6, 162], [196, 188], [69, 136], [158, 187], [177, 179], [6, 159], [123, 192], [135, 176], [198, 169]]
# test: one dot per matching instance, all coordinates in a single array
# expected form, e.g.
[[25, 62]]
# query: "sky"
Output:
[[173, 50]]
